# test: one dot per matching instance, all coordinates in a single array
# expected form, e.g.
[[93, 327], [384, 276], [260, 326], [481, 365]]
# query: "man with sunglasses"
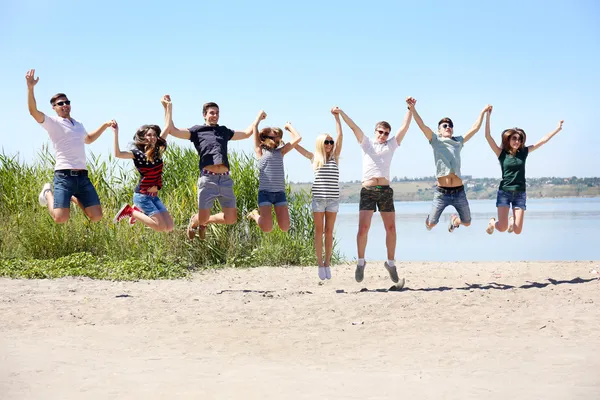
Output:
[[376, 193], [450, 190], [69, 137]]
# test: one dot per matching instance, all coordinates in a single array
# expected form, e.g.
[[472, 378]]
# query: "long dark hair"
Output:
[[506, 135], [268, 143], [152, 152]]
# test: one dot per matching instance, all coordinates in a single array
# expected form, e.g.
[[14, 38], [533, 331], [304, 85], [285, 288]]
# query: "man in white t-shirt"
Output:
[[69, 137], [376, 193]]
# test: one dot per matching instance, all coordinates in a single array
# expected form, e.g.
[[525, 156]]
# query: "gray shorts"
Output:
[[215, 187], [325, 205]]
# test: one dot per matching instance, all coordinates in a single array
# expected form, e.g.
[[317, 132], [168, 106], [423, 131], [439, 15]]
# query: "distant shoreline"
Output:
[[477, 189]]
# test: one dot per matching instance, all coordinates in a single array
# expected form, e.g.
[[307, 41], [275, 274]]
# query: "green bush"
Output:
[[32, 245]]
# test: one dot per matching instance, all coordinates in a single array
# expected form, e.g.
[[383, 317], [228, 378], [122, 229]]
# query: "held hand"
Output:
[[31, 79], [165, 100], [560, 124], [335, 111], [113, 124], [411, 101], [288, 126], [261, 115], [487, 109]]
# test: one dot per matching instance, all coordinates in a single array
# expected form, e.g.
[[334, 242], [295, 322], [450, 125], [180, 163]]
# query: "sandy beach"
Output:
[[518, 330]]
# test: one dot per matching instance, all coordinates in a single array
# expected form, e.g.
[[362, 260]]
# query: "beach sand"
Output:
[[516, 330]]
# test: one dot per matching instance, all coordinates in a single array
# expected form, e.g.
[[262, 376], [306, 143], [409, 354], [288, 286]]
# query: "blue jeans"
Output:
[[517, 199], [69, 183], [149, 205], [271, 198], [450, 197]]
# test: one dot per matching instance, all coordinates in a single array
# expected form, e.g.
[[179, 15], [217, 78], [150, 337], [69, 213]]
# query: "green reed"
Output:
[[32, 245]]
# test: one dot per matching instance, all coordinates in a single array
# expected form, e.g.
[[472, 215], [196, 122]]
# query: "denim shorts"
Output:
[[215, 187], [66, 185], [271, 198], [149, 205], [325, 205], [517, 199], [445, 197], [373, 198]]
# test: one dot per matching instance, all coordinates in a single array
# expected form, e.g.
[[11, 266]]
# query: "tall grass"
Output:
[[29, 233]]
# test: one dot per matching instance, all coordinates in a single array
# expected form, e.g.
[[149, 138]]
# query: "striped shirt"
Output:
[[150, 172], [327, 181], [272, 175]]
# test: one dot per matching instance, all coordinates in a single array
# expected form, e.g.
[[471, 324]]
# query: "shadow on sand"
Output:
[[473, 286]]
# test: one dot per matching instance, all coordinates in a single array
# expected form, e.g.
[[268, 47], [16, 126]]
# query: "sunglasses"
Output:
[[331, 142], [62, 103], [270, 137], [444, 126], [382, 132], [516, 138]]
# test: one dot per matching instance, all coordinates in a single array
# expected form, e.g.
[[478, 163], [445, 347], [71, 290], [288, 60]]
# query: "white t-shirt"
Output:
[[377, 158], [68, 139]]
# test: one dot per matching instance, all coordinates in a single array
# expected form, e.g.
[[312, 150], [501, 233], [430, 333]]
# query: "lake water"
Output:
[[554, 229]]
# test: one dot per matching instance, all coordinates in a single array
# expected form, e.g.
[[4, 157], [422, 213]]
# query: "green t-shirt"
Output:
[[513, 170]]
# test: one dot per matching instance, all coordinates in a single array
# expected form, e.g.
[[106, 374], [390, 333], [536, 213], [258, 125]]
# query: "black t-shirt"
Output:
[[211, 144]]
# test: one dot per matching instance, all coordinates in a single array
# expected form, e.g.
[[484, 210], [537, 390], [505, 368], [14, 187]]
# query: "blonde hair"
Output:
[[320, 156]]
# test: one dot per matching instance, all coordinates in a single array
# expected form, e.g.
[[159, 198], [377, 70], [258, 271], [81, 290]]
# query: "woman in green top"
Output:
[[512, 156]]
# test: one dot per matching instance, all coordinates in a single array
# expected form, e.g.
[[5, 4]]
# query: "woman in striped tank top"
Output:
[[325, 191], [149, 146], [270, 149]]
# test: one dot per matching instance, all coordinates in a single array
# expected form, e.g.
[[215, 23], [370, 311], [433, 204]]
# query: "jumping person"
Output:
[[325, 191], [512, 191], [269, 149], [450, 190], [149, 146], [69, 137], [214, 183], [376, 193]]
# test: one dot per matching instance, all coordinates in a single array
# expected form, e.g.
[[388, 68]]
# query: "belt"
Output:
[[450, 190], [207, 172], [72, 172], [376, 187]]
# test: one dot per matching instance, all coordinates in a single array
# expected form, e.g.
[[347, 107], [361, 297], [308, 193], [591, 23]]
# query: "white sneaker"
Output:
[[322, 273], [327, 272], [42, 197]]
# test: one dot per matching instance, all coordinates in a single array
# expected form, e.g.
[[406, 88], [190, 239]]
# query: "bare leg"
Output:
[[364, 224], [389, 222], [502, 223], [283, 217], [318, 218], [519, 217], [329, 224], [59, 215], [263, 218], [160, 222]]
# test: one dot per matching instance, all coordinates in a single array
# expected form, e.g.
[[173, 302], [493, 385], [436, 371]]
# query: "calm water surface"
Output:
[[554, 229]]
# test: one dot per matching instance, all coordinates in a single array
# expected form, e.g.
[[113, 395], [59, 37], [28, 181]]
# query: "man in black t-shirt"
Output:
[[214, 183]]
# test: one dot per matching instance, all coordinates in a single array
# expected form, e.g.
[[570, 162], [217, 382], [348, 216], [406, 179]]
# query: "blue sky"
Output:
[[536, 61]]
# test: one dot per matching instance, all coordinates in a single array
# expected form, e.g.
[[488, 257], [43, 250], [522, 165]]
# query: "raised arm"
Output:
[[338, 128], [296, 138], [31, 103], [172, 130], [404, 128], [92, 136], [546, 138], [304, 152], [488, 135], [477, 125], [168, 106], [411, 102], [257, 148], [118, 152], [240, 135], [357, 131]]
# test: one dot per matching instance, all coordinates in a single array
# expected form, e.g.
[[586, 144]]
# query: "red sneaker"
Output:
[[124, 212], [132, 218]]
